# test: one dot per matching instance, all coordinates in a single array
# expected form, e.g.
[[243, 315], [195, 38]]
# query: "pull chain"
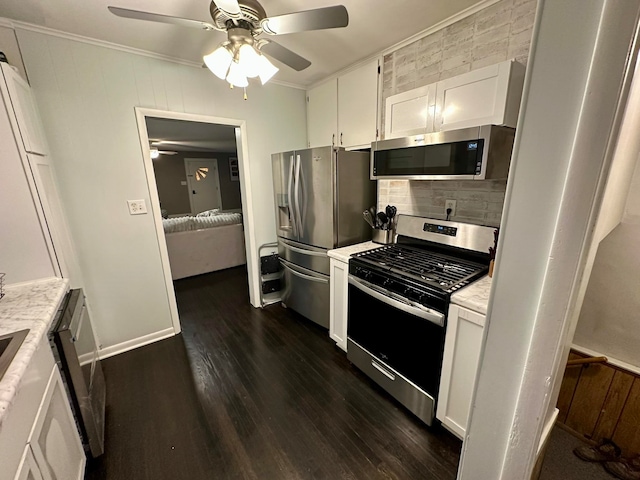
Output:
[[245, 93]]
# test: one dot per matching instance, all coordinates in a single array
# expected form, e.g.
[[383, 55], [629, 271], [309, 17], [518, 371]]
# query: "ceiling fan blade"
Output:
[[318, 19], [284, 55], [230, 7], [167, 152], [156, 17]]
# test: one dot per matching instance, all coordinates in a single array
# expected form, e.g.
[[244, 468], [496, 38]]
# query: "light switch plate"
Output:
[[137, 207], [450, 204]]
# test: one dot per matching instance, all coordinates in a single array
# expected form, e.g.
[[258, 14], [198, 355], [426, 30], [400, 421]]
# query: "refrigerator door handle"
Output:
[[292, 215], [302, 250], [301, 200], [297, 198], [303, 275]]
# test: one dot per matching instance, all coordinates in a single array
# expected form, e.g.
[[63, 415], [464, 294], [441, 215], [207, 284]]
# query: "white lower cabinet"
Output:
[[39, 439], [54, 440], [338, 299], [459, 367], [28, 468]]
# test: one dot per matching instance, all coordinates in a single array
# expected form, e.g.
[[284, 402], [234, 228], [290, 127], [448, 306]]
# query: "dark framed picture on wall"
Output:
[[233, 169]]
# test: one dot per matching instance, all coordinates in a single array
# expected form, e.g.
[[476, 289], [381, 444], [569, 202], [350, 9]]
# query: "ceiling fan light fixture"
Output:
[[236, 76], [266, 69], [249, 60], [154, 153], [219, 61]]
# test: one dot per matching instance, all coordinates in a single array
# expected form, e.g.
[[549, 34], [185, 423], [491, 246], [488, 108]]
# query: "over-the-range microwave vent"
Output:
[[477, 153]]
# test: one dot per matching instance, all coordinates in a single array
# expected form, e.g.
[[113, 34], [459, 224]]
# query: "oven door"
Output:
[[401, 336]]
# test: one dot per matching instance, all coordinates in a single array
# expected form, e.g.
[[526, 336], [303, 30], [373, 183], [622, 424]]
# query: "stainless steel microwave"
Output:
[[478, 153]]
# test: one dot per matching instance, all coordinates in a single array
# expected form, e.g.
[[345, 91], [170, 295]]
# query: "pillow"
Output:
[[208, 213]]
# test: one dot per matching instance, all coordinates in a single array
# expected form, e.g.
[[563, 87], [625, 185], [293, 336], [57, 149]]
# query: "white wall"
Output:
[[609, 322], [86, 94]]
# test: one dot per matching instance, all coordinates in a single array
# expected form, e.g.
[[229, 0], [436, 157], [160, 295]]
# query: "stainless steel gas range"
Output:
[[398, 302]]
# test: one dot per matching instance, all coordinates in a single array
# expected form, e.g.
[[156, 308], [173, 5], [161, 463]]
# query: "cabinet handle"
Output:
[[340, 138], [333, 140]]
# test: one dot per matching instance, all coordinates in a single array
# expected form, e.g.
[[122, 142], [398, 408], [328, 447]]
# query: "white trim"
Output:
[[546, 431], [242, 147], [136, 343], [467, 12], [613, 361], [6, 22]]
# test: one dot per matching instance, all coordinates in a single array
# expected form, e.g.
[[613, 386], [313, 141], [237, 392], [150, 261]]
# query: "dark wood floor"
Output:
[[246, 393]]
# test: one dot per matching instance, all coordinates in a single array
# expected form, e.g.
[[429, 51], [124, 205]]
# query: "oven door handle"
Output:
[[405, 305]]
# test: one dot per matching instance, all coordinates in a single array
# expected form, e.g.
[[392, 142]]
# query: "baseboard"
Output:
[[135, 343]]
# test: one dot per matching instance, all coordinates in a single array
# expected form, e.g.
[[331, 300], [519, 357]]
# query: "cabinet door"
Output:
[[26, 112], [55, 221], [322, 114], [410, 113], [459, 368], [28, 469], [487, 96], [358, 106], [55, 441], [338, 303]]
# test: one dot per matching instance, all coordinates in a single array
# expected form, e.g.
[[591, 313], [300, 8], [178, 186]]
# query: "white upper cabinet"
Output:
[[26, 112], [487, 96], [358, 106], [410, 113], [322, 114], [344, 111]]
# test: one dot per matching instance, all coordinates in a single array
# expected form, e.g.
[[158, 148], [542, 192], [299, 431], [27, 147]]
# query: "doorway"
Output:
[[229, 148], [204, 184]]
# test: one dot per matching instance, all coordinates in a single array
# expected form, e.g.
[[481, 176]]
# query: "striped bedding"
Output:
[[201, 221]]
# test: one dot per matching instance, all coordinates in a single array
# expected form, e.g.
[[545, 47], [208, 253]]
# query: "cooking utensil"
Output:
[[383, 220], [367, 217], [391, 213]]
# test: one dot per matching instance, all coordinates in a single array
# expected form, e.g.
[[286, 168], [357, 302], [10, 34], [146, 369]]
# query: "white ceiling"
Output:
[[183, 136], [374, 25]]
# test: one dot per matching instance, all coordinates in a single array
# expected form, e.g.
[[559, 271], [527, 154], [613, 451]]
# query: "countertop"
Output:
[[344, 253], [27, 305], [475, 296]]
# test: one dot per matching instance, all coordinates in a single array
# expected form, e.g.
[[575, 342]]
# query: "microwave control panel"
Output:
[[441, 229]]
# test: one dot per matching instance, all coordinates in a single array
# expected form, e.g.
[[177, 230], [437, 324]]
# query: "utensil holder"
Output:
[[383, 237]]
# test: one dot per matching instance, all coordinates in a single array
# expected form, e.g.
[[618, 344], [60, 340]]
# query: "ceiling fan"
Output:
[[155, 152], [241, 56]]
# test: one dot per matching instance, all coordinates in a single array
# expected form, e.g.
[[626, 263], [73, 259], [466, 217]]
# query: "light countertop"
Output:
[[27, 305], [344, 253], [475, 296]]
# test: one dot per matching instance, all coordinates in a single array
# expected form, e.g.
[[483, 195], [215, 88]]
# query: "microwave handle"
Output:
[[411, 308]]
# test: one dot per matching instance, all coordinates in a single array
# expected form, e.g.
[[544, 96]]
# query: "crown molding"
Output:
[[467, 12], [16, 24]]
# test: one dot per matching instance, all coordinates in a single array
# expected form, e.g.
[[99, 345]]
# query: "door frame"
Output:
[[186, 169], [242, 148]]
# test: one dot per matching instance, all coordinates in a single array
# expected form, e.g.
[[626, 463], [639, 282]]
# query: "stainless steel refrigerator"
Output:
[[320, 194]]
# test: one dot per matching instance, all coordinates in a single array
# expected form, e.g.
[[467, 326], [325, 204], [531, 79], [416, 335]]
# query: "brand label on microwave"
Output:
[[472, 146]]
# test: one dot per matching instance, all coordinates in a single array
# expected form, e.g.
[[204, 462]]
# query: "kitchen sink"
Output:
[[9, 345]]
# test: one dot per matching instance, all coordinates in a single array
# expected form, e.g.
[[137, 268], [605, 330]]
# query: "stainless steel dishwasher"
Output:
[[76, 352]]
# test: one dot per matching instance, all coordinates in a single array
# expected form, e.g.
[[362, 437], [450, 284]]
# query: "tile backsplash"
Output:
[[494, 34], [477, 201]]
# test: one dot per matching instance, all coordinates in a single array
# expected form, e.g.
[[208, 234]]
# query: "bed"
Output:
[[207, 242]]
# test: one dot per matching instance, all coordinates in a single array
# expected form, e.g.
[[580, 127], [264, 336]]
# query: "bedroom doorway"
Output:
[[182, 153], [204, 184]]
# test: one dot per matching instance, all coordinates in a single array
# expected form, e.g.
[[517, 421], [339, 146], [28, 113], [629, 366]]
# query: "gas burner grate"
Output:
[[424, 266]]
